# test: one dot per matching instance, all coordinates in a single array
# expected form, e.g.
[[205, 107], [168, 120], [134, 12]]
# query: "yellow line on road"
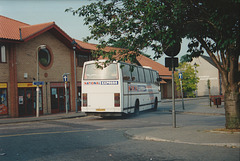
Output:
[[42, 133]]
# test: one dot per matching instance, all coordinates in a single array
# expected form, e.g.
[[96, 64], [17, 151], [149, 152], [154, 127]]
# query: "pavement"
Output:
[[196, 134], [42, 118]]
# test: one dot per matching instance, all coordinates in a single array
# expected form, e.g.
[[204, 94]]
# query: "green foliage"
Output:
[[122, 44], [150, 23], [189, 81], [139, 24], [186, 58]]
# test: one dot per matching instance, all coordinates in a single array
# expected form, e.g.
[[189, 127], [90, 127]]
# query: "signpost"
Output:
[[168, 62], [65, 79], [180, 77], [172, 51], [41, 83], [38, 83]]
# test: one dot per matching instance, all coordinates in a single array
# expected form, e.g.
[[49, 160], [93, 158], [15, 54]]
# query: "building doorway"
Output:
[[27, 101], [58, 100]]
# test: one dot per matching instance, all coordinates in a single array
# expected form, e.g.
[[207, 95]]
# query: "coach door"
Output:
[[127, 87], [79, 96]]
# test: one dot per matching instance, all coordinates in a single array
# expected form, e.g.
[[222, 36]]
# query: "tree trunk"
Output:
[[232, 109]]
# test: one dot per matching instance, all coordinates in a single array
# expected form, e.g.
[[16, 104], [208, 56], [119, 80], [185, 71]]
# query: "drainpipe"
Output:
[[20, 31]]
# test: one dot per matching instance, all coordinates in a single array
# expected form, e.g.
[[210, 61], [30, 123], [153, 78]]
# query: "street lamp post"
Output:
[[75, 72], [37, 89]]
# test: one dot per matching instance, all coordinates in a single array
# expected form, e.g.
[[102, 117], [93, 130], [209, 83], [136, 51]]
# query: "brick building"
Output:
[[20, 44]]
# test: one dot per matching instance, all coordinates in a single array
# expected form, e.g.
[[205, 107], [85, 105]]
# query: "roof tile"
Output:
[[162, 70], [16, 30], [90, 46], [27, 31], [9, 28]]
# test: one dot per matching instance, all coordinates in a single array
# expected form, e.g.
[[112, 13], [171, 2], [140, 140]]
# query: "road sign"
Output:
[[168, 62], [180, 75], [41, 83], [65, 78], [172, 50]]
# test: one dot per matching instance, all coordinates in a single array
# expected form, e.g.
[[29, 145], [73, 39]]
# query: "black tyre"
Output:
[[136, 109], [155, 104]]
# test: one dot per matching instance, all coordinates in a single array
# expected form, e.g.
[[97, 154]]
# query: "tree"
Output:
[[124, 45], [209, 25], [189, 81], [186, 58]]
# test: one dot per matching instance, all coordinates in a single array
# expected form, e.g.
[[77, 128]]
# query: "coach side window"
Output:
[[155, 76], [126, 72], [141, 75], [147, 75], [134, 74], [151, 75]]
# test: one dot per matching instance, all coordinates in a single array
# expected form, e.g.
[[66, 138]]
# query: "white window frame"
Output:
[[3, 58]]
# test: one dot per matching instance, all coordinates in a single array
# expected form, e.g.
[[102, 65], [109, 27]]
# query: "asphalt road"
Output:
[[94, 138]]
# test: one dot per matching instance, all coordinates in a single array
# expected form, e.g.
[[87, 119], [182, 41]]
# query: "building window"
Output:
[[81, 59], [44, 57], [3, 58]]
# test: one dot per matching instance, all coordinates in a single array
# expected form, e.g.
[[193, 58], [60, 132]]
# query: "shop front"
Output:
[[3, 99], [27, 99]]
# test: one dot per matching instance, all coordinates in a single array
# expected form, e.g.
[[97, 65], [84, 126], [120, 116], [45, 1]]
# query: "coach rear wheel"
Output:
[[136, 109]]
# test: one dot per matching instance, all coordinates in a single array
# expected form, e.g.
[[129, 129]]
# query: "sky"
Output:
[[42, 11]]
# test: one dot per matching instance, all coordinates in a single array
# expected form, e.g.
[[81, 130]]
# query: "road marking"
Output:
[[42, 133]]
